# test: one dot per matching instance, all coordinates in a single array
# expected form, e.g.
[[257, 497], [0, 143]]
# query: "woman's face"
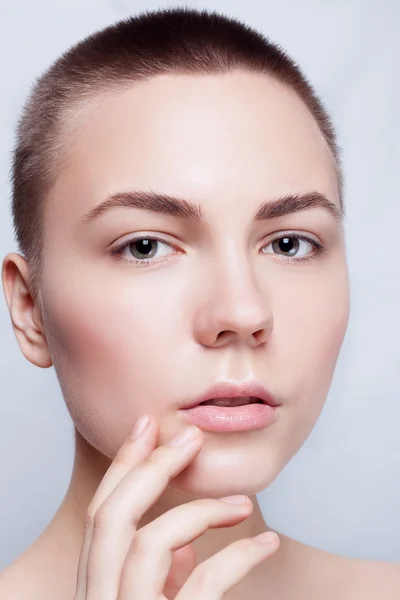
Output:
[[219, 298]]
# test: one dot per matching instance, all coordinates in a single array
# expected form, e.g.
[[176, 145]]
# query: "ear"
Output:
[[25, 316]]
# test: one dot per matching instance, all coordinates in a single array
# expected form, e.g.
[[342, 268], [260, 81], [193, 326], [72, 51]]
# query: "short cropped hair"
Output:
[[168, 41]]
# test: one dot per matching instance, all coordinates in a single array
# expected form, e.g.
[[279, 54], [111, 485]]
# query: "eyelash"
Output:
[[318, 248]]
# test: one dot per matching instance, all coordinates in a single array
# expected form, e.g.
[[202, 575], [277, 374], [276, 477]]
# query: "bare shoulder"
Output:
[[12, 584], [37, 574], [330, 576], [18, 581], [372, 580]]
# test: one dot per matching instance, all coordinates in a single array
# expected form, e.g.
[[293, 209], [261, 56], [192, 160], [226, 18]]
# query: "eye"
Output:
[[142, 250], [294, 247]]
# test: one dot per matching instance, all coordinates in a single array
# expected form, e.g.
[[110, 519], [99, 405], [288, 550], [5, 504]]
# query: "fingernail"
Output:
[[140, 426], [268, 537], [235, 499], [185, 436]]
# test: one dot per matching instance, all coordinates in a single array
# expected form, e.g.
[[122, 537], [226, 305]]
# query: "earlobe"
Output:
[[25, 315]]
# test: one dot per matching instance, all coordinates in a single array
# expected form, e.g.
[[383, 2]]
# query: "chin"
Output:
[[235, 472]]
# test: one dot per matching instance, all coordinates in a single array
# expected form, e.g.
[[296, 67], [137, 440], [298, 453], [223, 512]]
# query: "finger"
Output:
[[183, 562], [80, 593], [149, 558], [218, 574], [132, 452], [116, 520]]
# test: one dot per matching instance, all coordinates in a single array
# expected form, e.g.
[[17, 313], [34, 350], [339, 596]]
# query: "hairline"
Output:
[[81, 105]]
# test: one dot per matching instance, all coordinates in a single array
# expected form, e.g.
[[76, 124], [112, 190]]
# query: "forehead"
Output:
[[231, 136]]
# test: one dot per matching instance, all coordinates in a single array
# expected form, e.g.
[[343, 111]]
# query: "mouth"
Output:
[[229, 394], [240, 401], [232, 407]]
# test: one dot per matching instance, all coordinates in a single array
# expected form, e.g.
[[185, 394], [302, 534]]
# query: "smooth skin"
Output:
[[119, 562], [218, 301]]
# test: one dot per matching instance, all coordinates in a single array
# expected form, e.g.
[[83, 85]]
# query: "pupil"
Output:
[[144, 247], [288, 245]]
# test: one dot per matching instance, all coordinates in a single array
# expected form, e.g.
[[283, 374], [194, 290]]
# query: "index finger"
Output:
[[132, 452]]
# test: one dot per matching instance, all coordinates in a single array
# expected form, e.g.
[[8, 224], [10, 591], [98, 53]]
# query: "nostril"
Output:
[[260, 336]]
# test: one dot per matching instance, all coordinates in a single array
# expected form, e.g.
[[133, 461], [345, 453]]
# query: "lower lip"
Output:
[[231, 418]]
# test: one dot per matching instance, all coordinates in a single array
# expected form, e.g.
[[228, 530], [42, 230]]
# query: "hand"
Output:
[[118, 561]]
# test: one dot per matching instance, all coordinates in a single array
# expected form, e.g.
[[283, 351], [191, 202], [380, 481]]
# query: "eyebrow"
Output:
[[184, 209]]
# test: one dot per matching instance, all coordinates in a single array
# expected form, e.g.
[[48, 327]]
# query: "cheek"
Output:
[[311, 319], [310, 328], [110, 355]]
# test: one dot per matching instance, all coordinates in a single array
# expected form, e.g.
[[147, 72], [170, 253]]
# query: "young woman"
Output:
[[177, 200]]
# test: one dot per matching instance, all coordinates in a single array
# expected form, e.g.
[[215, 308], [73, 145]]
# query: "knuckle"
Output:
[[140, 543], [88, 523], [203, 578], [103, 516], [154, 459], [89, 516], [159, 462]]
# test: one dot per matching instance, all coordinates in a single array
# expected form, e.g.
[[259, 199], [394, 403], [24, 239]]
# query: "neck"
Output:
[[89, 468]]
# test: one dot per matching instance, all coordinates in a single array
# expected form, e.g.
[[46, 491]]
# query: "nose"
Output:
[[233, 308]]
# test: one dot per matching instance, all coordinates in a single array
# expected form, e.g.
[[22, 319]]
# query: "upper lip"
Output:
[[235, 390]]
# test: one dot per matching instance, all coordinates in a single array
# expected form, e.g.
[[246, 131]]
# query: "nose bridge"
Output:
[[234, 301]]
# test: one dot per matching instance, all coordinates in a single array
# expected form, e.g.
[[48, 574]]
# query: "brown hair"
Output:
[[178, 40]]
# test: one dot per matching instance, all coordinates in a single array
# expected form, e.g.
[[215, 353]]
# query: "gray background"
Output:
[[341, 492]]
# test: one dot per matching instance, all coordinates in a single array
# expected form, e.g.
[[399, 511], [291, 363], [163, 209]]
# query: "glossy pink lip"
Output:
[[232, 418], [235, 390]]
